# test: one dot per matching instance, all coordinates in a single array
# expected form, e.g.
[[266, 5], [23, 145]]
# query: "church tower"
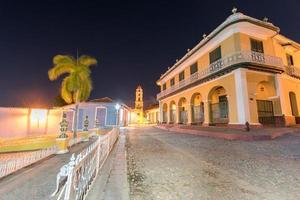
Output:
[[139, 104]]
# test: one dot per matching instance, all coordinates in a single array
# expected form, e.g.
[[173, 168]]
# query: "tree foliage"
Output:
[[77, 85]]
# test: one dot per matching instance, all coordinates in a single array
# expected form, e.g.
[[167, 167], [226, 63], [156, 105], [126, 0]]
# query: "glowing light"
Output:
[[38, 116], [117, 106]]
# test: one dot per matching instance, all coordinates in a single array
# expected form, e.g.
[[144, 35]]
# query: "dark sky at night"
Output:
[[134, 41]]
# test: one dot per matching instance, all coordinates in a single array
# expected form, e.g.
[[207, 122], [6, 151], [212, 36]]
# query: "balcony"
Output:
[[241, 57], [293, 71]]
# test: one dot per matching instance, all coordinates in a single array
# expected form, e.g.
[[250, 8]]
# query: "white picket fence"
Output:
[[75, 178], [12, 164]]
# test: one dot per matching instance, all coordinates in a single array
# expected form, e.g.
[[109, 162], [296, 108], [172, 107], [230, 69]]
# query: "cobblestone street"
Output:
[[165, 165]]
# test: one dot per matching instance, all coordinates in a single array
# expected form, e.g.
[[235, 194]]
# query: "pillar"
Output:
[[189, 114], [177, 120], [206, 112], [160, 112], [285, 104], [242, 97]]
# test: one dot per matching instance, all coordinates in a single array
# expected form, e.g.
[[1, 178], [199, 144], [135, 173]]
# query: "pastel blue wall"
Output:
[[89, 109]]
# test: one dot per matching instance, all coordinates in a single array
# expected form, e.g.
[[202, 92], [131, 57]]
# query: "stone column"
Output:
[[242, 97], [177, 120], [189, 114], [160, 112], [206, 112], [285, 104]]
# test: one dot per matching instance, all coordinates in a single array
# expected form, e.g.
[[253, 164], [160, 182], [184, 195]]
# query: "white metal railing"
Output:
[[232, 59], [74, 179], [292, 71], [13, 164]]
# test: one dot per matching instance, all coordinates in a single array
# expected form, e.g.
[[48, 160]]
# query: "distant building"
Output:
[[139, 103], [152, 114], [243, 71], [137, 113], [101, 113]]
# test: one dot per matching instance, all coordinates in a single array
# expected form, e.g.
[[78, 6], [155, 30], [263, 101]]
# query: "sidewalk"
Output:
[[111, 183], [230, 133], [38, 180]]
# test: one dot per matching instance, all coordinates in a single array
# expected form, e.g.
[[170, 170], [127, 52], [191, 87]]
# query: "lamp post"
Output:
[[117, 107]]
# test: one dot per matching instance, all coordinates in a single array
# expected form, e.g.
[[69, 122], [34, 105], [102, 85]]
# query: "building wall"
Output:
[[152, 115], [228, 46], [227, 82], [19, 122]]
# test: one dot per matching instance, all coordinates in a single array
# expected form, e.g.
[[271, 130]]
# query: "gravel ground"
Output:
[[165, 165]]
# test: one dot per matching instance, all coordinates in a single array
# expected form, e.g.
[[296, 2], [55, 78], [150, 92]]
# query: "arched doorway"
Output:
[[293, 102], [219, 105], [197, 108], [165, 113], [182, 107], [172, 112], [265, 108]]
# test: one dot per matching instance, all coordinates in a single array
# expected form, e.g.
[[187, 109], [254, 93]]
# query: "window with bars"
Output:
[[181, 76], [194, 68], [215, 55], [257, 46]]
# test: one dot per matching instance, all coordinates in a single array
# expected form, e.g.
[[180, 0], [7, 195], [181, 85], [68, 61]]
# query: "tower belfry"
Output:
[[139, 104]]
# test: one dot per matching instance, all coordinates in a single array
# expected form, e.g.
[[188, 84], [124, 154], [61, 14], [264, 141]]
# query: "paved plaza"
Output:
[[149, 163], [164, 165], [37, 181]]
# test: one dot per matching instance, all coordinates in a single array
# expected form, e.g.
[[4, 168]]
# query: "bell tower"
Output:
[[139, 104]]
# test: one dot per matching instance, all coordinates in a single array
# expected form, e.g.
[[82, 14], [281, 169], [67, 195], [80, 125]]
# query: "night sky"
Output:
[[133, 41]]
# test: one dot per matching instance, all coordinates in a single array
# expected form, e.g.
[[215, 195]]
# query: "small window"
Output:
[[290, 60], [215, 55], [194, 68], [257, 46], [172, 81], [181, 76], [164, 86]]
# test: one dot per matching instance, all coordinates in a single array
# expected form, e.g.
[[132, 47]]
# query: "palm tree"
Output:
[[77, 85]]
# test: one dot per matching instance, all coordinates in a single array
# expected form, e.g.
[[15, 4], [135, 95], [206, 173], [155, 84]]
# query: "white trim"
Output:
[[241, 27], [274, 97], [96, 115], [241, 91]]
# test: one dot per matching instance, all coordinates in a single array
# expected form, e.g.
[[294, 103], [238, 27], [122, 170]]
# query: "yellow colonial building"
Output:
[[152, 114], [243, 71]]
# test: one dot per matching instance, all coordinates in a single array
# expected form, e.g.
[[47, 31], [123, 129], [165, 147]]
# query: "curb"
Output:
[[227, 136]]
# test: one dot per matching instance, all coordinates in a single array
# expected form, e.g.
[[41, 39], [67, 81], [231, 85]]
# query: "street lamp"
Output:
[[117, 107]]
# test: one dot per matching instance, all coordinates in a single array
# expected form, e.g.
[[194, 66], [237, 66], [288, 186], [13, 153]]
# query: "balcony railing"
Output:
[[223, 63], [293, 71]]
